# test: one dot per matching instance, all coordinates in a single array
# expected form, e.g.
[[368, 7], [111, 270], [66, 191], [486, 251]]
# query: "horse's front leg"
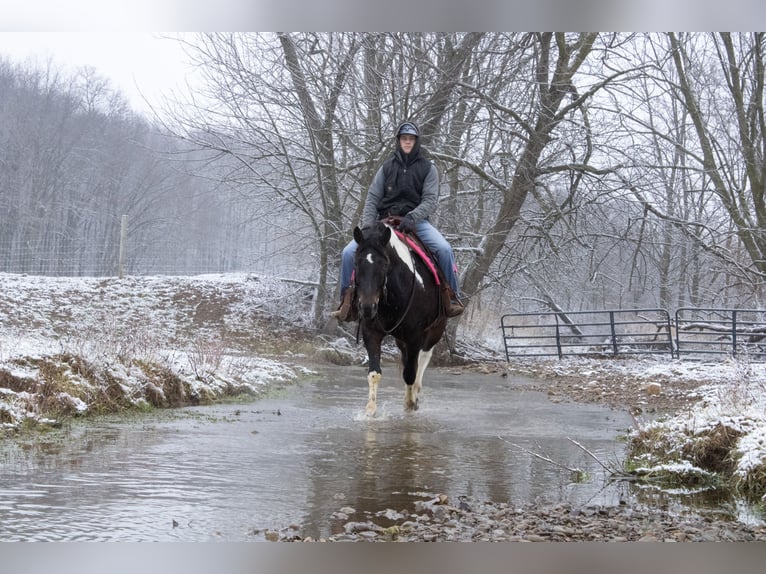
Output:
[[413, 377], [372, 342], [409, 376]]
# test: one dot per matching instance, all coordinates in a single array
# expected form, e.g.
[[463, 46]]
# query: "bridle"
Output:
[[409, 299], [384, 294]]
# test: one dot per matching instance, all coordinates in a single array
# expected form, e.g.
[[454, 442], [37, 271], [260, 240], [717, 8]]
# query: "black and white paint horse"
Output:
[[398, 294]]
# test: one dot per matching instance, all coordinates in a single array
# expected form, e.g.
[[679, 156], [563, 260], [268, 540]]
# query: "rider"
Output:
[[407, 185]]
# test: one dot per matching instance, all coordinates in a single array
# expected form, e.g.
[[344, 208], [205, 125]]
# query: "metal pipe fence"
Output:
[[591, 333], [720, 331], [692, 332]]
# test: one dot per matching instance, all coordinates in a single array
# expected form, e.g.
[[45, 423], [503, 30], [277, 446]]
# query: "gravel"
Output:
[[439, 520]]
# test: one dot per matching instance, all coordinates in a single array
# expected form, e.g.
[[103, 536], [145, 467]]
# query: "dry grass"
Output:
[[162, 388], [652, 442], [711, 454], [754, 484], [713, 449], [67, 386]]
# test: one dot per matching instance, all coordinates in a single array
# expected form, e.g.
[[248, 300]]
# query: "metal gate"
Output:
[[729, 332], [694, 332], [587, 333]]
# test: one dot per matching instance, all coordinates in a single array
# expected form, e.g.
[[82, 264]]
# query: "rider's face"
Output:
[[407, 142]]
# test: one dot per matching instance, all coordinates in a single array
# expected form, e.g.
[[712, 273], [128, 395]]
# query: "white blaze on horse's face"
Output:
[[370, 259]]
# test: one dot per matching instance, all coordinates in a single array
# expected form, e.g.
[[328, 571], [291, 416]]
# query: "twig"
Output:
[[593, 456], [541, 457]]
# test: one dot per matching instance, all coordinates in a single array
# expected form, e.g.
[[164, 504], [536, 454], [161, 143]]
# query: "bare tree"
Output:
[[74, 160], [552, 60], [573, 158], [705, 125]]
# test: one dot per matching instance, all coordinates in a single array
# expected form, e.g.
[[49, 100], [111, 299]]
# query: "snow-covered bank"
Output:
[[693, 419], [78, 345]]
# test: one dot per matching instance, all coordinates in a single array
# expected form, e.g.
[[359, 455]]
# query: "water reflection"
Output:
[[228, 472], [453, 445]]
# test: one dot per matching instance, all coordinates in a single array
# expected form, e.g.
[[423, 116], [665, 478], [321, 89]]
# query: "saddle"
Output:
[[412, 241]]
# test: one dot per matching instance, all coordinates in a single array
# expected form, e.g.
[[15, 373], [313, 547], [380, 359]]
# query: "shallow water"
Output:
[[228, 472]]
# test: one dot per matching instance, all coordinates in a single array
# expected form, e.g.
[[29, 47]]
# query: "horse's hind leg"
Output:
[[409, 376], [412, 392]]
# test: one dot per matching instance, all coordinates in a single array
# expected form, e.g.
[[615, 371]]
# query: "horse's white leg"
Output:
[[410, 398], [413, 391], [373, 378]]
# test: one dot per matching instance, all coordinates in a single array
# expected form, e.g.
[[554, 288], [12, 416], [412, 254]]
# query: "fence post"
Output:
[[613, 332], [734, 332], [123, 240]]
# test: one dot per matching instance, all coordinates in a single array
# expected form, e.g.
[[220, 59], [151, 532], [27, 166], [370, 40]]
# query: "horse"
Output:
[[398, 293]]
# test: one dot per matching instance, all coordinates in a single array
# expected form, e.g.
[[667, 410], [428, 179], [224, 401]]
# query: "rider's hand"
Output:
[[407, 224]]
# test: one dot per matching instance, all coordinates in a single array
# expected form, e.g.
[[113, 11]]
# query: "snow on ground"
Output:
[[733, 397], [733, 394], [726, 409], [203, 329], [218, 333]]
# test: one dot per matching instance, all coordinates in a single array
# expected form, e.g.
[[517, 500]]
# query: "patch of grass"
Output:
[[657, 456], [163, 388], [713, 449], [754, 484], [5, 416], [677, 477], [653, 441], [15, 383], [108, 395]]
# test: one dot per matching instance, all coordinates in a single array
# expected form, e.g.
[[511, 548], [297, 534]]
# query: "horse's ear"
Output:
[[386, 235], [358, 234]]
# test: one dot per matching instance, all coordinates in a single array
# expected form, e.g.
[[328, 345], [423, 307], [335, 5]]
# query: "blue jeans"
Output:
[[430, 237]]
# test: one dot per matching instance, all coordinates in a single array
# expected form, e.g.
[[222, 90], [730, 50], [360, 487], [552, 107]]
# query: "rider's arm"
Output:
[[374, 197]]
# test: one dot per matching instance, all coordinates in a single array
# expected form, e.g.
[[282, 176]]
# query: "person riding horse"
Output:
[[406, 185]]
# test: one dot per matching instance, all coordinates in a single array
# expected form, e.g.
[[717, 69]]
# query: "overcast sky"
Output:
[[141, 65]]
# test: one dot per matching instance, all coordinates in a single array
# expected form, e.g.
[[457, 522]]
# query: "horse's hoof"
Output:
[[370, 410], [411, 407]]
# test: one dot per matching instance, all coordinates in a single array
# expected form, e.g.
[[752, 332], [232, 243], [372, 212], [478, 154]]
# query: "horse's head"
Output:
[[371, 267]]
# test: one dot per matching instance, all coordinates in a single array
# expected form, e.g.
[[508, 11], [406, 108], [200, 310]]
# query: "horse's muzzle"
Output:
[[368, 311]]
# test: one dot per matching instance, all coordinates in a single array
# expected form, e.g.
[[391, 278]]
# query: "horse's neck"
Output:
[[418, 259], [399, 255]]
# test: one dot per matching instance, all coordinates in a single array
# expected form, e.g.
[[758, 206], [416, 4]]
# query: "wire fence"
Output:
[[166, 256]]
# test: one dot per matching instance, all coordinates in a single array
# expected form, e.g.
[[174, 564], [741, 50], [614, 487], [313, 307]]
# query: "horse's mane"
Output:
[[374, 236], [401, 248]]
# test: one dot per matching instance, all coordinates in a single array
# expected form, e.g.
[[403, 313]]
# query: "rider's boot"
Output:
[[455, 308], [452, 304], [347, 310]]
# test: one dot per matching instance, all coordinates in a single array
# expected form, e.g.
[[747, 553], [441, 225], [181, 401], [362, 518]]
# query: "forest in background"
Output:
[[578, 171], [74, 159]]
